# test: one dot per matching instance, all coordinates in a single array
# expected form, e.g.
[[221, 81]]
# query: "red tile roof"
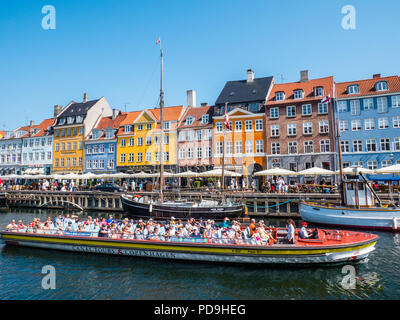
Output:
[[169, 113], [367, 86], [109, 122], [197, 113], [130, 117], [306, 86]]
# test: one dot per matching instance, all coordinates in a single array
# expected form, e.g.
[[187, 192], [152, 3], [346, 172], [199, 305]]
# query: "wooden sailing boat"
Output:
[[139, 206], [360, 206]]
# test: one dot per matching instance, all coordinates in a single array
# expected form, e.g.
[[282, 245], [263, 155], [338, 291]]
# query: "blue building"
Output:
[[101, 145], [368, 116]]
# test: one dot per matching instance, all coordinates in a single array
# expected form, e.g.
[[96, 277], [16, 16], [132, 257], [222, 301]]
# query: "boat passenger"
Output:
[[12, 226], [252, 227], [20, 226], [103, 233], [303, 231], [291, 228]]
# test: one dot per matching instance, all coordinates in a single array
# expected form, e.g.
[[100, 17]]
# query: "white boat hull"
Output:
[[377, 219]]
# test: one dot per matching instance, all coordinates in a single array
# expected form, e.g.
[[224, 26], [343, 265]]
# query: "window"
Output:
[[395, 101], [199, 135], [274, 113], [140, 141], [306, 110], [122, 143], [62, 146], [238, 125], [229, 147], [88, 164], [355, 125], [343, 125], [148, 141], [249, 146], [140, 157], [182, 153], [382, 105], [148, 126], [357, 146], [199, 152], [280, 96], [182, 136], [131, 157], [79, 119], [355, 107], [156, 156], [319, 91], [325, 145], [342, 106], [139, 127], [166, 156], [110, 164], [208, 152], [127, 128], [219, 126], [259, 146], [205, 119], [308, 146], [298, 94], [369, 124], [396, 144], [111, 148], [322, 108], [248, 124], [386, 163], [383, 123], [166, 125], [384, 144], [371, 145], [291, 129], [189, 121], [190, 135], [219, 149], [275, 148], [368, 104], [275, 132], [81, 130], [323, 127], [238, 147], [57, 147], [353, 89], [148, 156], [291, 111], [208, 134], [292, 147], [307, 128], [396, 122], [381, 86], [345, 145], [259, 124], [372, 165], [122, 157]]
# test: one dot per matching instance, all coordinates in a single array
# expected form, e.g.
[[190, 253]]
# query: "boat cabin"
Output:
[[358, 194]]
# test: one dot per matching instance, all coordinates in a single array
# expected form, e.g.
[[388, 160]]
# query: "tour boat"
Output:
[[136, 206], [361, 208], [332, 247]]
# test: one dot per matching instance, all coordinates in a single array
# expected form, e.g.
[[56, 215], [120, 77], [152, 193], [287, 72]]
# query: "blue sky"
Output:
[[107, 48]]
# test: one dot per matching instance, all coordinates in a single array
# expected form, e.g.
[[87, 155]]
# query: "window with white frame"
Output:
[[148, 140], [386, 163], [229, 147], [275, 148], [182, 153], [110, 164], [166, 156], [357, 146], [396, 121], [368, 104], [306, 110], [148, 126], [369, 124], [381, 86], [280, 96], [131, 157], [292, 129], [325, 145], [148, 156], [127, 128], [122, 157], [199, 135], [383, 123], [259, 146], [345, 145], [101, 148], [189, 121], [190, 135], [355, 107], [219, 148], [219, 126], [205, 119], [292, 147], [140, 141], [274, 113], [207, 134], [139, 127], [140, 157], [199, 152], [248, 124], [208, 152], [238, 125], [249, 146], [167, 125], [259, 124], [342, 106], [384, 144], [122, 143], [395, 101], [238, 147], [371, 145], [324, 126], [319, 91], [190, 153], [343, 125], [156, 156], [308, 146], [298, 94], [359, 164], [396, 144], [322, 108], [275, 132], [182, 135], [353, 89], [111, 148], [356, 125], [382, 104], [88, 164], [372, 165], [307, 128], [131, 142], [291, 111]]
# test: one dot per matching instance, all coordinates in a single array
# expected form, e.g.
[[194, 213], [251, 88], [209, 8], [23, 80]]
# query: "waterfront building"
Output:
[[300, 128], [37, 148], [195, 133], [139, 141], [72, 126], [11, 150], [101, 144], [245, 147], [368, 116]]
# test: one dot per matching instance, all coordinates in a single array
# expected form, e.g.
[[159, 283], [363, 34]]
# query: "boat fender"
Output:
[[151, 207], [394, 223], [246, 210]]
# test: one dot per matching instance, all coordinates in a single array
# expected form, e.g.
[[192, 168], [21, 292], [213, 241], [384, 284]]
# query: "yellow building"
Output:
[[73, 124], [138, 145]]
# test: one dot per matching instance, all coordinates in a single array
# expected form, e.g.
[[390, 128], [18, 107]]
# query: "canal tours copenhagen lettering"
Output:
[[130, 252]]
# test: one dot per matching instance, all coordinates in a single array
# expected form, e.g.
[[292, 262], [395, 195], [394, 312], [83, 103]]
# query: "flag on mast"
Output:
[[227, 122], [327, 99], [158, 41]]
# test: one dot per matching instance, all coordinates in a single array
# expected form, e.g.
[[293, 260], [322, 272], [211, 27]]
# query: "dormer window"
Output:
[[189, 121], [205, 118], [70, 120], [109, 134], [298, 94], [79, 119], [353, 89], [280, 96], [127, 128], [381, 86], [319, 91], [61, 121]]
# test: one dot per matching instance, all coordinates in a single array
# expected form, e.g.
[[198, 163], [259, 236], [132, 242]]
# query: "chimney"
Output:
[[57, 110], [250, 75], [375, 76], [31, 123], [115, 113], [304, 76], [191, 98], [204, 104], [85, 97]]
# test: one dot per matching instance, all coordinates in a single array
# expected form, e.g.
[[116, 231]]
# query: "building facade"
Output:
[[101, 145], [11, 151], [195, 133], [368, 116], [72, 125], [300, 129]]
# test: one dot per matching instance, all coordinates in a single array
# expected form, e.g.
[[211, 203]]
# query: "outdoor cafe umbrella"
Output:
[[355, 171], [391, 169], [315, 171], [275, 172], [218, 172], [186, 174]]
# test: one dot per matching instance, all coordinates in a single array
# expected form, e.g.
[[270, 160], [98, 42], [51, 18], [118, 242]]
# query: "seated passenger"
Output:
[[304, 233], [12, 226]]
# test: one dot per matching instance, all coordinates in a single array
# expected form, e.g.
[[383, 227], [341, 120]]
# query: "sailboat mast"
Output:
[[223, 150], [162, 131]]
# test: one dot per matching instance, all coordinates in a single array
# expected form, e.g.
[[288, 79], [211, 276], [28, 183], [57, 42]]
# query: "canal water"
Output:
[[91, 276]]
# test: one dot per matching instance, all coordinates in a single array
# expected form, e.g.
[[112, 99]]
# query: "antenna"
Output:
[[281, 76], [125, 104]]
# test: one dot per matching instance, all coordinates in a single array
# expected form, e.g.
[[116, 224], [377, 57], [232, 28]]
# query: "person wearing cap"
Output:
[[303, 231]]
